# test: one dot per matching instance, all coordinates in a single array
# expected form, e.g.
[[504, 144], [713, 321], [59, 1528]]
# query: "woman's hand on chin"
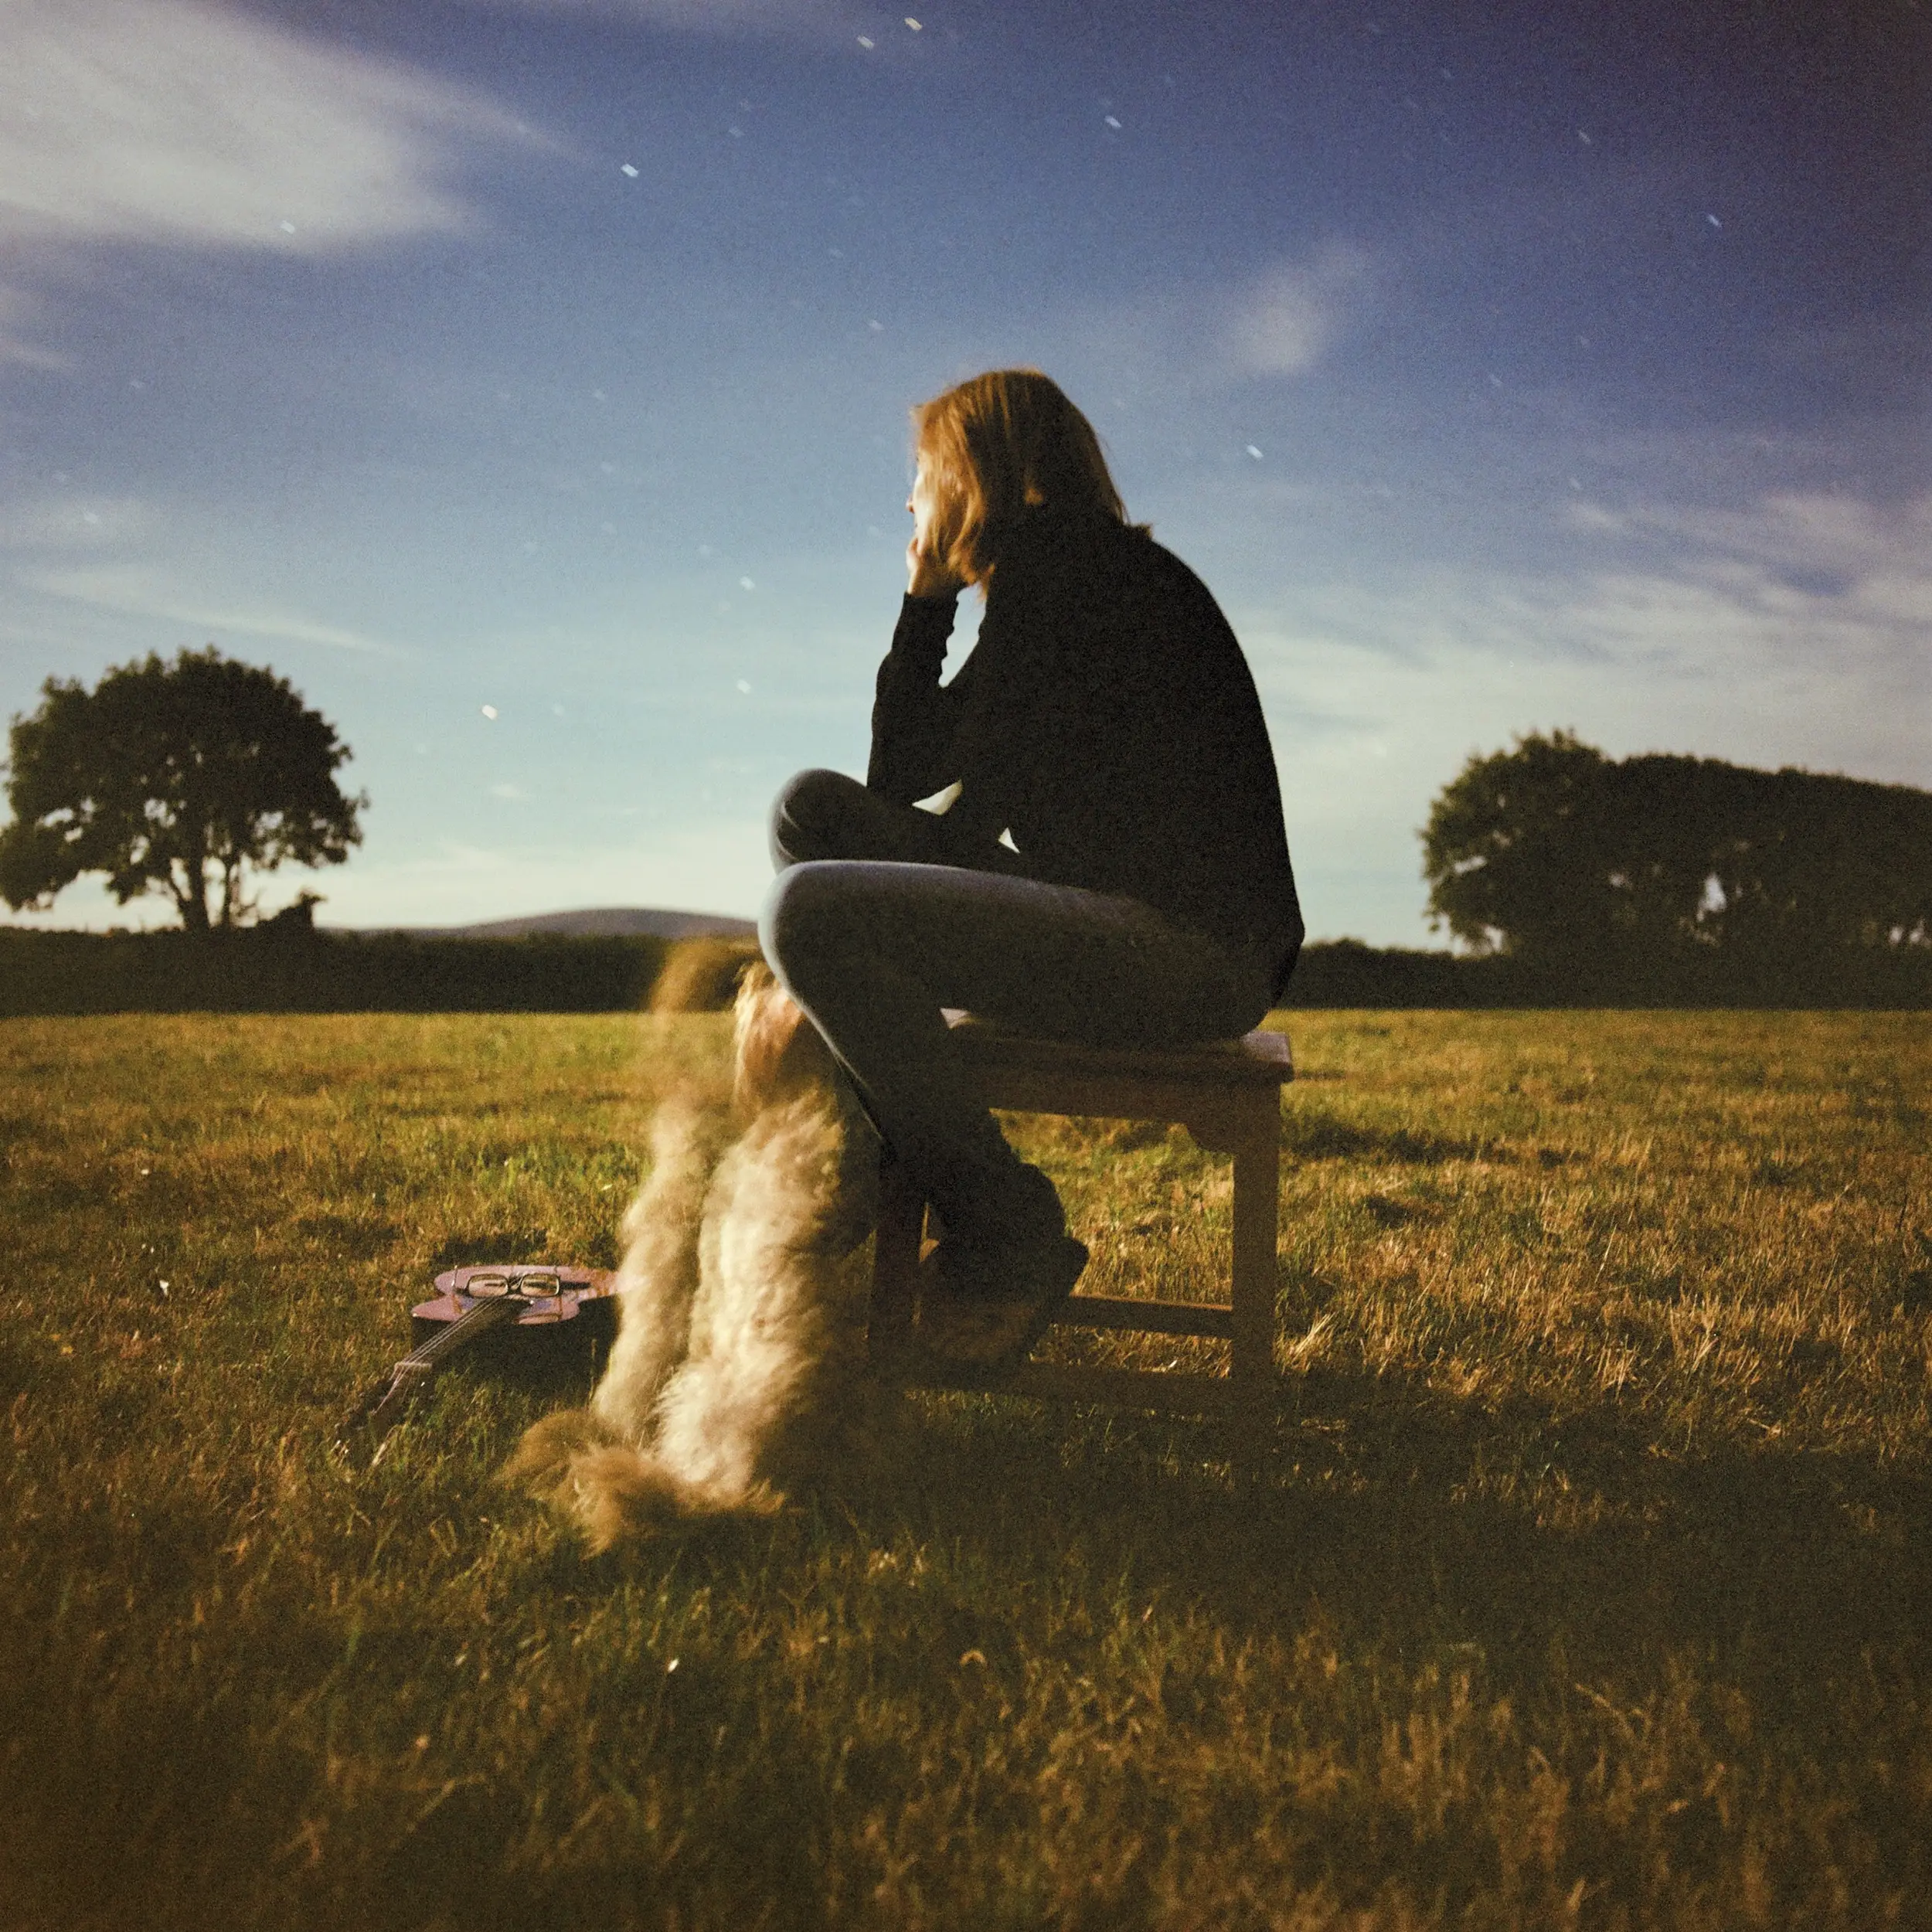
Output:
[[927, 577]]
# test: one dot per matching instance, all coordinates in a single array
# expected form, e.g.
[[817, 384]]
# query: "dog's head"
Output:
[[778, 1052]]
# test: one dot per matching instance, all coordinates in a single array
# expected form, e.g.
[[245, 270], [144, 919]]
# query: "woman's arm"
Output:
[[915, 718], [981, 730]]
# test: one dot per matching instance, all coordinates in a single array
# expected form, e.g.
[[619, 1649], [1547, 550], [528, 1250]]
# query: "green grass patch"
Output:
[[1583, 1580]]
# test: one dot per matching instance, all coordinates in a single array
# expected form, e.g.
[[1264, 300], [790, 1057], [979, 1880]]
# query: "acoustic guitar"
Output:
[[533, 1298]]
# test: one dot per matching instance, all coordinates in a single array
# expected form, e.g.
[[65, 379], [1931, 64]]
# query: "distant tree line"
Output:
[[1675, 873], [285, 967]]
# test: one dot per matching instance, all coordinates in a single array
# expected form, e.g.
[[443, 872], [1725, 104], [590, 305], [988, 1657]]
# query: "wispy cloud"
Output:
[[1793, 633], [775, 19], [136, 590], [169, 121], [19, 307], [1829, 543], [76, 522], [1290, 318]]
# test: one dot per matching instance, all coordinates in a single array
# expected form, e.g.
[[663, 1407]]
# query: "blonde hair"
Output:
[[1000, 444]]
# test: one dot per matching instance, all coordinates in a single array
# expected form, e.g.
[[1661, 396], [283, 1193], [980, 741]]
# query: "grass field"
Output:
[[1585, 1580]]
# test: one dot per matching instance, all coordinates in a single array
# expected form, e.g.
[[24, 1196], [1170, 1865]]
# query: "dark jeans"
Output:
[[880, 916]]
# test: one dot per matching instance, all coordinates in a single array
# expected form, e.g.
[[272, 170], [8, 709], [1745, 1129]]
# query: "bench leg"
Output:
[[901, 1223], [1257, 1185]]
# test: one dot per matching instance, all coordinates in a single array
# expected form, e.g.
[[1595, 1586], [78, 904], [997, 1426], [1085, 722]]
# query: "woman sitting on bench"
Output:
[[1111, 869]]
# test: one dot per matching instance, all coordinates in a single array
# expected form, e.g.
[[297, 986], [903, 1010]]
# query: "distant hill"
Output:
[[602, 922]]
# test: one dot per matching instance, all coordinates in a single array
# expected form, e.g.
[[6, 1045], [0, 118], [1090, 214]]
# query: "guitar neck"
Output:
[[474, 1320]]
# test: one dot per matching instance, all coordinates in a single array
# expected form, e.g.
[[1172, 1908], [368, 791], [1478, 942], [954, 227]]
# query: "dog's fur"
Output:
[[739, 1370]]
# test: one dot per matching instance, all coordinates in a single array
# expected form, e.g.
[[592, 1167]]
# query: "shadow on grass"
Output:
[[1308, 1135], [1511, 1531], [1414, 1521], [1542, 1549], [474, 1246]]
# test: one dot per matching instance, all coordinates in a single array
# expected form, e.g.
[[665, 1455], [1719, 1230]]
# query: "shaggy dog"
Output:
[[739, 1370]]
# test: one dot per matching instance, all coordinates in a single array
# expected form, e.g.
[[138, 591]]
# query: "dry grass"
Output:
[[1584, 1583]]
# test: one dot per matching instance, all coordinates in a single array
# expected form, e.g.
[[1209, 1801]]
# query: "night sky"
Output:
[[528, 384]]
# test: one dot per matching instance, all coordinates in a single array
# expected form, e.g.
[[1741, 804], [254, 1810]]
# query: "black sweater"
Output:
[[1106, 719]]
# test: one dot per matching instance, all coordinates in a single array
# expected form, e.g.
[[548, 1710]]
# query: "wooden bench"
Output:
[[1227, 1096]]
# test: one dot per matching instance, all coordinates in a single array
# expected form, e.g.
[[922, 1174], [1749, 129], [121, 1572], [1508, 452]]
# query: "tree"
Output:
[[1553, 853], [1516, 852], [180, 777]]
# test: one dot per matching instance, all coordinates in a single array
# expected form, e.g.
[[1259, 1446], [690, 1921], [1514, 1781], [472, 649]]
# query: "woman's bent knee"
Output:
[[799, 918], [807, 815]]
